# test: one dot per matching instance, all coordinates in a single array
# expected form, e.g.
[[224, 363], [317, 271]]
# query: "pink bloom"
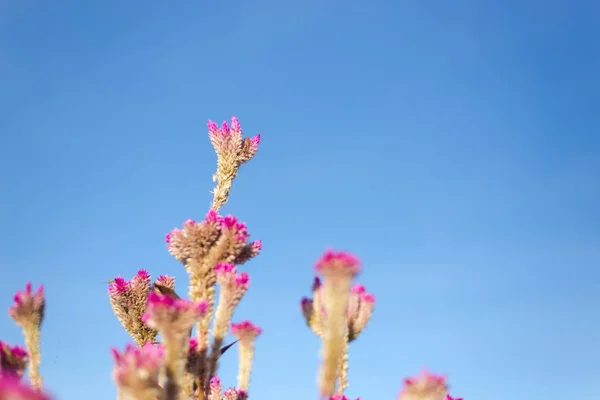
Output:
[[119, 286], [165, 312], [166, 281], [358, 288], [235, 124], [257, 245], [367, 298], [448, 397], [338, 264], [130, 364], [245, 330], [229, 221], [425, 385], [222, 269], [225, 129], [242, 280], [140, 283], [13, 360], [212, 216], [215, 382], [12, 389], [28, 306]]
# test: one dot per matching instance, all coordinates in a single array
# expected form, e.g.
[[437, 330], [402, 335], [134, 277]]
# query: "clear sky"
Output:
[[453, 145]]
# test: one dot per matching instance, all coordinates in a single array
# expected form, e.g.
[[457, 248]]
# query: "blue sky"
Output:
[[453, 146]]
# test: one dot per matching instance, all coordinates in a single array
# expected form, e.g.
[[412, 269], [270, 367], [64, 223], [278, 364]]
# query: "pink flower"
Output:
[[12, 389], [138, 367], [13, 360], [166, 313], [358, 289], [229, 143], [257, 245], [425, 385], [165, 281], [28, 306], [242, 280], [224, 269], [338, 264], [119, 286], [140, 283], [367, 298], [245, 331], [448, 397], [215, 382], [212, 216]]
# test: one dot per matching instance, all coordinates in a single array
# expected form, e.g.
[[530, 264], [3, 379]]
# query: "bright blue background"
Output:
[[454, 146]]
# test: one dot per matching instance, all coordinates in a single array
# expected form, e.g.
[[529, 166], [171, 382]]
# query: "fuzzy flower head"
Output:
[[28, 307], [229, 279], [245, 331], [13, 360], [425, 386], [335, 265], [216, 389], [11, 388], [230, 144], [173, 316], [359, 310], [137, 369], [220, 239], [235, 394], [128, 299]]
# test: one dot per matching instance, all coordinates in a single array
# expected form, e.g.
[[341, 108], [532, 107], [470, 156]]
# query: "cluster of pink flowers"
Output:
[[184, 366]]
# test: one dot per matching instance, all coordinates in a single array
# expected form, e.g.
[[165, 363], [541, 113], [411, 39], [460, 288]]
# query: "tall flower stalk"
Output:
[[28, 313]]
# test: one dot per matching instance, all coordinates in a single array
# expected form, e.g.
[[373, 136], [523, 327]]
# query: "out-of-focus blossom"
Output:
[[425, 386], [137, 369], [13, 360], [11, 388]]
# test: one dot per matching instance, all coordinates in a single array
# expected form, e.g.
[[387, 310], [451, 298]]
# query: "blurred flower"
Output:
[[137, 369], [425, 386], [13, 360]]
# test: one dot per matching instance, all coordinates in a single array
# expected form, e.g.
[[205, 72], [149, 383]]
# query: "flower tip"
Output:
[[212, 216], [142, 274], [367, 297], [358, 289], [215, 382], [341, 262]]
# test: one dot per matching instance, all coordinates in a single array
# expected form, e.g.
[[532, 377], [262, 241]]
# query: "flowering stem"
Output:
[[336, 296], [245, 364], [174, 369], [31, 332], [226, 173], [343, 372]]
